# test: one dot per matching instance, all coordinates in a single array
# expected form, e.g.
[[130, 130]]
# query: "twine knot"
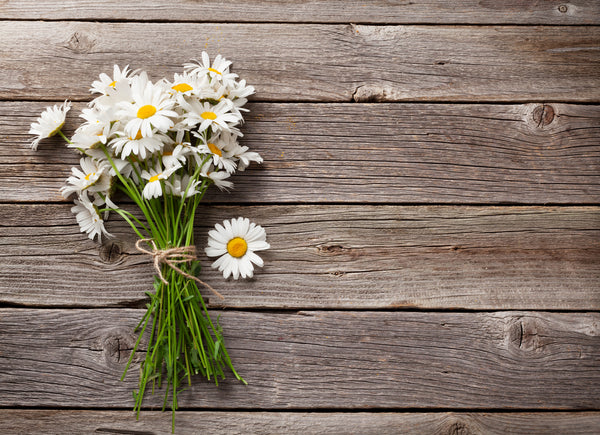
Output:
[[171, 257]]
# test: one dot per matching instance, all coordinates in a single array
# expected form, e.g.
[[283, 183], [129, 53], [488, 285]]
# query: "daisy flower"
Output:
[[93, 177], [150, 108], [188, 84], [153, 189], [245, 157], [125, 145], [235, 243], [216, 148], [49, 123], [88, 218], [219, 69], [175, 157], [180, 185], [217, 117], [219, 178], [107, 84]]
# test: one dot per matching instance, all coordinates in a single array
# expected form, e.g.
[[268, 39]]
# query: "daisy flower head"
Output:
[[182, 185], [93, 176], [219, 178], [88, 218], [125, 145], [49, 123], [235, 243], [153, 188], [216, 148], [150, 108], [187, 84], [108, 84], [219, 70], [217, 117]]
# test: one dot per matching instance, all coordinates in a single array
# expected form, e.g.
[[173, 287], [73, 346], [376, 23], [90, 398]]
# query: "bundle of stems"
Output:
[[184, 341]]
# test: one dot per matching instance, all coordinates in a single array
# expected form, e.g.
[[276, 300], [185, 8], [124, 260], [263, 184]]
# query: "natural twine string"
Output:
[[171, 257]]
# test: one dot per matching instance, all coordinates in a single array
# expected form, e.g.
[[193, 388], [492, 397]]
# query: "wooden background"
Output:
[[431, 192]]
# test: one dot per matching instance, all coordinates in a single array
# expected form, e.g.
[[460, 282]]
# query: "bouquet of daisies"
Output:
[[163, 145]]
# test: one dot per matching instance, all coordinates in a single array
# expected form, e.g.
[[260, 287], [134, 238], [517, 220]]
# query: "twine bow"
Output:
[[171, 257]]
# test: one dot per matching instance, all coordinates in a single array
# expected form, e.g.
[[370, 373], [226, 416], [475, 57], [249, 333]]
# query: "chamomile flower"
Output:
[[219, 178], [150, 108], [188, 84], [88, 218], [174, 157], [107, 84], [93, 176], [125, 145], [219, 70], [235, 243], [245, 157], [153, 188], [217, 117], [182, 185], [49, 123], [216, 148]]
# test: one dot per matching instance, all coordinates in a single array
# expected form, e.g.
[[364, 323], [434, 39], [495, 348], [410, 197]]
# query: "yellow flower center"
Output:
[[91, 174], [182, 87], [209, 115], [215, 71], [213, 149], [113, 83], [138, 136], [237, 247], [154, 178], [168, 153], [146, 111]]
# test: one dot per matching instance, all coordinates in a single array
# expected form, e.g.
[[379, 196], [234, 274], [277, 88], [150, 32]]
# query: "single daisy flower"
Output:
[[217, 117], [88, 218], [187, 84], [174, 157], [150, 108], [93, 176], [182, 185], [153, 189], [216, 148], [246, 157], [235, 243], [49, 123], [107, 84], [219, 178], [125, 145], [219, 70]]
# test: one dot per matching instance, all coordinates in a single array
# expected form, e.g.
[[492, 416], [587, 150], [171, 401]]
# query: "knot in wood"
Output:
[[543, 115], [458, 428], [110, 252], [117, 347], [80, 42], [563, 9]]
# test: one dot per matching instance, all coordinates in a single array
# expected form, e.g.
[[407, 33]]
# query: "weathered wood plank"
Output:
[[54, 60], [339, 360], [62, 422], [328, 257], [384, 153], [321, 11]]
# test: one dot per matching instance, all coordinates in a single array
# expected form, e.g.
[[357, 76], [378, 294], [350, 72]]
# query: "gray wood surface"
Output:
[[321, 11], [381, 153], [327, 257], [56, 422], [318, 360], [57, 60]]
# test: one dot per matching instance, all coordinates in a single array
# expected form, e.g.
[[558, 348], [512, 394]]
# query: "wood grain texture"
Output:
[[62, 422], [333, 63], [317, 360], [328, 257], [321, 11], [382, 153]]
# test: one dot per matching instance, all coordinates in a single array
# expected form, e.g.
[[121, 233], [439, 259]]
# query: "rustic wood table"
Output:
[[431, 192]]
